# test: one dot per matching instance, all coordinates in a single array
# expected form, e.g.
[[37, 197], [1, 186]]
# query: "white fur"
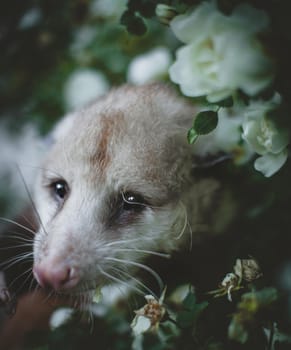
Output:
[[148, 154]]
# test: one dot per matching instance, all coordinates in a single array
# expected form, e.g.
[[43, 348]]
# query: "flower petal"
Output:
[[140, 324], [269, 164]]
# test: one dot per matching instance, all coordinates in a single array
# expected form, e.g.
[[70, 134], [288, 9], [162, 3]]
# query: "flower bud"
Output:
[[165, 13], [247, 269]]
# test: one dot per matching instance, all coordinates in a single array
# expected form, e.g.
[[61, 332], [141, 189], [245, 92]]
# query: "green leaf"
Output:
[[188, 317], [192, 136], [126, 17], [134, 24], [205, 122], [189, 302], [245, 318], [254, 301], [145, 8], [237, 330], [227, 102]]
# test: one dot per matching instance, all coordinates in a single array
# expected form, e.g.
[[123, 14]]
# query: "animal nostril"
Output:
[[56, 278]]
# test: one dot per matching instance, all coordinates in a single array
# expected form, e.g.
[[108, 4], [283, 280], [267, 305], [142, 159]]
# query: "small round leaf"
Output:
[[205, 122], [192, 136]]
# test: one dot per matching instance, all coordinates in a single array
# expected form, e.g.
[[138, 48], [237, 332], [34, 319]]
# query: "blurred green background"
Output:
[[44, 45]]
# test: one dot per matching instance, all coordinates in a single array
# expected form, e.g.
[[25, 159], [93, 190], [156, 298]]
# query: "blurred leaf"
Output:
[[246, 317], [192, 310], [237, 330], [133, 23], [227, 102], [145, 7], [205, 122], [254, 301], [192, 136]]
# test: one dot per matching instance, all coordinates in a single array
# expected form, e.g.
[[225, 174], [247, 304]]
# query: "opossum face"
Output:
[[110, 190]]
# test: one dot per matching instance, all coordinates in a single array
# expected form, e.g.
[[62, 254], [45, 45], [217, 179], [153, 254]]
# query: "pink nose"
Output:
[[58, 278]]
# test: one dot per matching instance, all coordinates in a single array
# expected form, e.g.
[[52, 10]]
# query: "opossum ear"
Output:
[[60, 129]]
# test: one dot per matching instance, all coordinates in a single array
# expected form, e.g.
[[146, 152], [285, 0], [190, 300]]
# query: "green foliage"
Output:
[[134, 23], [250, 307], [35, 64], [188, 317], [204, 123]]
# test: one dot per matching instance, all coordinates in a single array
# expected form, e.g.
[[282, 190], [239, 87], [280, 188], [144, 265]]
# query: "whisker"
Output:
[[17, 246], [191, 237], [19, 257], [125, 241], [137, 281], [40, 168], [150, 252], [28, 220], [33, 283], [19, 276], [17, 224], [52, 295], [91, 320], [142, 266], [30, 198], [138, 203], [16, 236], [23, 283], [118, 280], [185, 222], [15, 259]]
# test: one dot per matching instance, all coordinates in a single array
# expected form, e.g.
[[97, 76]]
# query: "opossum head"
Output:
[[112, 188]]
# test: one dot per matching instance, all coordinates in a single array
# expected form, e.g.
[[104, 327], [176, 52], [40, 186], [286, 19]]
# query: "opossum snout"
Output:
[[59, 277]]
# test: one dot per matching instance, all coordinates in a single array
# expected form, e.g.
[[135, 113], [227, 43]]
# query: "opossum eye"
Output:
[[133, 201], [60, 189]]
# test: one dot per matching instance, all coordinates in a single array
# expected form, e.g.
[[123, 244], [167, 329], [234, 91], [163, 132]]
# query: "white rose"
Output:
[[108, 8], [140, 324], [265, 138], [269, 164], [149, 316], [60, 316], [83, 86], [149, 67], [222, 52], [226, 136]]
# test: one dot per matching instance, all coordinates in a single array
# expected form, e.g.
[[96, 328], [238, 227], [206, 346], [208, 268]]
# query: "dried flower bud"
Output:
[[229, 282], [149, 316], [165, 13], [247, 269], [230, 279]]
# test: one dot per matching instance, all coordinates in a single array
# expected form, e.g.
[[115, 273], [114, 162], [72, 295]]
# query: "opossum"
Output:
[[117, 184]]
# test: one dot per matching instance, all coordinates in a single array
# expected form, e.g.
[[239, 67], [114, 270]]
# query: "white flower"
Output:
[[165, 13], [149, 67], [83, 86], [31, 18], [108, 8], [226, 136], [222, 52], [269, 164], [83, 37], [149, 316], [229, 282], [261, 133], [141, 324], [60, 317]]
